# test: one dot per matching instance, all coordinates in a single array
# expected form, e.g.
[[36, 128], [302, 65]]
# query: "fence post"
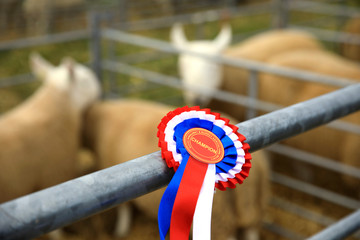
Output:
[[252, 92], [281, 13], [95, 43]]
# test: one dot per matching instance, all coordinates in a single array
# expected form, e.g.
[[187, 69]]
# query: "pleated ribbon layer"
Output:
[[205, 152]]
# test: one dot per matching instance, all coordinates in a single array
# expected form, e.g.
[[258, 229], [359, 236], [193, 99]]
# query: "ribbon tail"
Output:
[[202, 215], [186, 199], [168, 199]]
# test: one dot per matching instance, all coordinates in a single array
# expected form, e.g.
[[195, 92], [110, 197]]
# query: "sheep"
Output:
[[257, 48], [41, 136], [294, 49], [321, 141], [121, 130], [202, 73]]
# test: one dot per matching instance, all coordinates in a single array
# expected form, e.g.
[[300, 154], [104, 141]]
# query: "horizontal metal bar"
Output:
[[242, 100], [43, 211], [304, 213], [323, 8], [286, 122], [240, 63], [301, 211], [316, 191], [341, 229], [176, 83], [47, 39], [16, 80], [330, 35], [46, 210], [281, 231], [198, 17], [315, 160]]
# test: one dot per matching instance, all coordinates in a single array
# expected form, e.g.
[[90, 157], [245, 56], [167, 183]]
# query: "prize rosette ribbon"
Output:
[[206, 152]]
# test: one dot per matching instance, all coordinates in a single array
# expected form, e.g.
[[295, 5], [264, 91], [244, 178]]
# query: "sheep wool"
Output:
[[41, 137]]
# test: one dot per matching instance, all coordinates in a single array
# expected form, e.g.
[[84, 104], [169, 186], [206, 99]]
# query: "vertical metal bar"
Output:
[[95, 43], [252, 92], [111, 53], [281, 14], [123, 14], [341, 229]]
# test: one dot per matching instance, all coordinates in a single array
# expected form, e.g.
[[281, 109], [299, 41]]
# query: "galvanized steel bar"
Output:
[[330, 35], [316, 191], [46, 210], [313, 159], [252, 92], [323, 8], [281, 124], [94, 19], [47, 39], [341, 229], [174, 82], [197, 17]]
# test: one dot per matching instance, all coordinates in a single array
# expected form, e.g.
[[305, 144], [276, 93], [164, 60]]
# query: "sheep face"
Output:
[[201, 77], [71, 77]]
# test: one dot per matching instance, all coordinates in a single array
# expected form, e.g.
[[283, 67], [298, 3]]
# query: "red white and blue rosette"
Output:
[[206, 152]]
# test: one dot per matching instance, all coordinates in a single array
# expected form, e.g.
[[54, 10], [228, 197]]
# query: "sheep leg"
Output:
[[56, 234], [248, 233], [123, 221]]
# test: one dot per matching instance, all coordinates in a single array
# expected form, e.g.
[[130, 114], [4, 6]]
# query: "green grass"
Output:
[[15, 62]]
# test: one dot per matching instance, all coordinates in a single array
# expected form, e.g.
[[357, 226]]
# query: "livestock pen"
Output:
[[138, 75]]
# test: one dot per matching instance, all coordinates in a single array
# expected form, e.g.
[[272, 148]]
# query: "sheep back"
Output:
[[40, 139]]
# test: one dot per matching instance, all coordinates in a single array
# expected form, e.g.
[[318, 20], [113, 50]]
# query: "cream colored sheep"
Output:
[[118, 131], [326, 142], [40, 138], [258, 48]]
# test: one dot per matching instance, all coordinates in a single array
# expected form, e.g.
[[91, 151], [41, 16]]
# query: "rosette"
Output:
[[206, 152]]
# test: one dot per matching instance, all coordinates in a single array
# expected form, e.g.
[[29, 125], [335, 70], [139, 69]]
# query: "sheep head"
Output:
[[76, 79], [198, 73]]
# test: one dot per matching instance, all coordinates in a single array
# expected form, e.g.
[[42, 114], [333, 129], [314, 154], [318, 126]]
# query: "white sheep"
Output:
[[118, 131], [256, 48], [204, 74], [41, 137]]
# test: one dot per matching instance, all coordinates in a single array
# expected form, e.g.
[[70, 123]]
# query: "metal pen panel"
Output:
[[46, 210]]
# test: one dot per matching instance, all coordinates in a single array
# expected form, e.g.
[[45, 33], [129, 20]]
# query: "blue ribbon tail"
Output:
[[168, 199]]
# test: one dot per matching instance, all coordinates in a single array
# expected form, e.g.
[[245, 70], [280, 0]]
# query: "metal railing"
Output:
[[75, 212], [46, 210]]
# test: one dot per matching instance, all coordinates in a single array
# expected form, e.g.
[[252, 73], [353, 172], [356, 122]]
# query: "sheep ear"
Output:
[[69, 64], [224, 37], [39, 66], [177, 36]]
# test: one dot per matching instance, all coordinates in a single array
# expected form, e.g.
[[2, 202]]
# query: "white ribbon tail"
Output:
[[202, 215]]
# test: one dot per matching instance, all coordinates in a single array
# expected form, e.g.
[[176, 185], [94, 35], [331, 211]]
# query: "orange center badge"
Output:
[[203, 145]]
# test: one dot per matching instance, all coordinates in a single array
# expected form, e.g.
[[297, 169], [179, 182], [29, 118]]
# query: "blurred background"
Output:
[[121, 40]]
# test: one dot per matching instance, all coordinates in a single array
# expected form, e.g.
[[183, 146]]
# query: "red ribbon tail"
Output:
[[186, 199]]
